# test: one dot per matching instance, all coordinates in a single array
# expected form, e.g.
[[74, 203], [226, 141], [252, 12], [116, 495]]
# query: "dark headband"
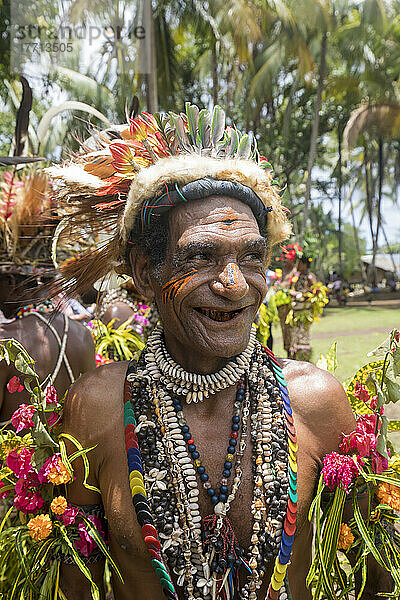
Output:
[[198, 190]]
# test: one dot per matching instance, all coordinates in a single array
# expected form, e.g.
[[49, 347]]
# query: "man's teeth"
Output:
[[216, 315]]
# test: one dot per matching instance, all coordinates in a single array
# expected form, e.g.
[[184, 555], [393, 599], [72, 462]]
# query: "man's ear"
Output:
[[140, 265]]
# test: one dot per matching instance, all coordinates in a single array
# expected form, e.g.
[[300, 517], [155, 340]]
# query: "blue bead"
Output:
[[214, 499], [195, 455], [223, 497], [223, 489], [204, 477], [235, 427], [201, 470], [226, 473], [178, 407], [232, 442], [240, 394], [175, 401], [211, 492], [235, 419], [185, 429], [192, 447], [231, 450], [186, 436], [227, 464]]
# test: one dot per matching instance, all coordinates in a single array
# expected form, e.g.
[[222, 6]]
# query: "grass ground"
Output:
[[357, 330]]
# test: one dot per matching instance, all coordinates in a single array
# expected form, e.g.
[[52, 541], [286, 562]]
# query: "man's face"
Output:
[[213, 278]]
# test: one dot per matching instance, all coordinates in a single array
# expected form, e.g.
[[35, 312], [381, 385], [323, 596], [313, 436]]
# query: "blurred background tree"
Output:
[[316, 81]]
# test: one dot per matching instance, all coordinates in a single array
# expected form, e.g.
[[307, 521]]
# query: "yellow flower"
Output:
[[346, 538], [394, 463], [59, 505], [389, 494], [40, 527]]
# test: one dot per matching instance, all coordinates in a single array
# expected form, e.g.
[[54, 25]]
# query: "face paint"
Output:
[[173, 287], [232, 277], [229, 221]]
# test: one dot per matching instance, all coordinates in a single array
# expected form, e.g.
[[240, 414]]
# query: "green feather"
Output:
[[233, 143], [177, 123], [192, 113], [203, 135], [217, 125], [244, 147]]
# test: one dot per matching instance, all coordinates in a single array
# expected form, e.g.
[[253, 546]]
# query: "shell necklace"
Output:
[[193, 386]]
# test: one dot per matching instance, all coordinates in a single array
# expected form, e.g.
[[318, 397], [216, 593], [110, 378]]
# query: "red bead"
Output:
[[148, 529], [152, 542], [191, 441], [234, 435]]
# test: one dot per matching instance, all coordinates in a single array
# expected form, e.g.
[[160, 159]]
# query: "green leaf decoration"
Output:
[[328, 361], [363, 376], [204, 132], [192, 113], [244, 147], [381, 440], [100, 542], [79, 562], [396, 362], [217, 125], [233, 143], [393, 425]]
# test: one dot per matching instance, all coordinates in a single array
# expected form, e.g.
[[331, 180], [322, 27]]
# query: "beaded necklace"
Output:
[[45, 306], [173, 536]]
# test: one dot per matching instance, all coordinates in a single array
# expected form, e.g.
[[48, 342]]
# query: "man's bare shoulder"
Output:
[[319, 401], [94, 399]]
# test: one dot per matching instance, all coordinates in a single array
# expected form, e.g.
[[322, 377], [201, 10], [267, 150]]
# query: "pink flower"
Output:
[[338, 470], [28, 501], [86, 544], [69, 515], [51, 395], [22, 417], [361, 392], [379, 462], [20, 463], [14, 385], [3, 494], [367, 423], [53, 419]]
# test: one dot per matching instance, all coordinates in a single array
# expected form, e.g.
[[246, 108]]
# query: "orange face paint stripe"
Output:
[[173, 287]]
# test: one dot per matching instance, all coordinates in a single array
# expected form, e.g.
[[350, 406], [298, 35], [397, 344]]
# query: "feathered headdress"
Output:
[[25, 231], [126, 177]]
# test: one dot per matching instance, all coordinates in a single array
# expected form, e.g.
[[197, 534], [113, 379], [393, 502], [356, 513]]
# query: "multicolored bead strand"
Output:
[[276, 589], [139, 496]]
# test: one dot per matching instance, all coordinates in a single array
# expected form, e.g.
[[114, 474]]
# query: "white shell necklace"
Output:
[[194, 386]]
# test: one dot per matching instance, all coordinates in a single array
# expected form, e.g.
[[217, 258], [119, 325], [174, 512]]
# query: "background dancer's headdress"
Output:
[[124, 179], [25, 233]]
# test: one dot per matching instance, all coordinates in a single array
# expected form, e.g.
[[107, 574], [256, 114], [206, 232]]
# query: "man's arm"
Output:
[[79, 421], [328, 414]]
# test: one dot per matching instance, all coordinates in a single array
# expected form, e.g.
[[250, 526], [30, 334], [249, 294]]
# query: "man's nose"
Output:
[[230, 283]]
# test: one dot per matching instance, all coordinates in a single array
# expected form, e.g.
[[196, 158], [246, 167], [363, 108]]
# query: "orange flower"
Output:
[[59, 474], [59, 505], [40, 527], [346, 538], [389, 494]]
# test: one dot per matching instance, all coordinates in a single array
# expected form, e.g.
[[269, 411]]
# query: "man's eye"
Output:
[[253, 256], [198, 256]]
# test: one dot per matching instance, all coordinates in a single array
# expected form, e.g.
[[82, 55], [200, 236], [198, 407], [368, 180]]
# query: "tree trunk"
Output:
[[370, 214], [314, 132], [340, 185], [151, 76], [390, 251], [355, 232], [214, 67]]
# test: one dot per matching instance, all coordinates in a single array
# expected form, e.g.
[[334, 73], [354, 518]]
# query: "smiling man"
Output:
[[208, 448]]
